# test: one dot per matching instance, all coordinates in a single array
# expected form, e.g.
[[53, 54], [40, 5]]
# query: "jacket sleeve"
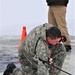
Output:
[[58, 54]]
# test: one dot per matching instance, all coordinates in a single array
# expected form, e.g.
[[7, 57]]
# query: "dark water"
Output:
[[8, 51]]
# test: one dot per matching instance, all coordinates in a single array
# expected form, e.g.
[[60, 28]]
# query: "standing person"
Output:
[[57, 16], [41, 45]]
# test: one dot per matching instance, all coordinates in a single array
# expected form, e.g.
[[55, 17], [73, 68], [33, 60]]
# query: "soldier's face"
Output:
[[53, 41]]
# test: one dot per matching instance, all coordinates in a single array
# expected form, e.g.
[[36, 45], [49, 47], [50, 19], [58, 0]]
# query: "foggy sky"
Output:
[[30, 13]]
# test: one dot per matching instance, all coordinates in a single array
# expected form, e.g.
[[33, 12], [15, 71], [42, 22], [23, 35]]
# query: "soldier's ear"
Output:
[[48, 39]]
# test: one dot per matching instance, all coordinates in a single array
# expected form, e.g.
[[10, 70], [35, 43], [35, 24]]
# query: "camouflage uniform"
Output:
[[17, 71], [31, 65]]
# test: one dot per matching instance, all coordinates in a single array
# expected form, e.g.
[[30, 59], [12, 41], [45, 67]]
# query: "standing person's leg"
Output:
[[60, 16], [51, 18]]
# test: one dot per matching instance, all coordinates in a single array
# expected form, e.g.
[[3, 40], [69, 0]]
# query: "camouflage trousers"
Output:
[[20, 72], [41, 71]]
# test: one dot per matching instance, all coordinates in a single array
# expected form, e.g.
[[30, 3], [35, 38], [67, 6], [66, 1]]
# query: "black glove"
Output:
[[9, 69]]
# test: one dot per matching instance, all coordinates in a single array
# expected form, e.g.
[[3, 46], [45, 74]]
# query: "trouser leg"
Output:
[[51, 17], [57, 17]]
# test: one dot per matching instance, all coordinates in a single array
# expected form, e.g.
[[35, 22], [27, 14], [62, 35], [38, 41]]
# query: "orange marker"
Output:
[[24, 34]]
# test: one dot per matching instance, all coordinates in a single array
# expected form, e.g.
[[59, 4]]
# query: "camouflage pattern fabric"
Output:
[[17, 71], [30, 63]]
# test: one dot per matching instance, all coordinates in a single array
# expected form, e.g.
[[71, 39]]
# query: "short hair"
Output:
[[53, 33]]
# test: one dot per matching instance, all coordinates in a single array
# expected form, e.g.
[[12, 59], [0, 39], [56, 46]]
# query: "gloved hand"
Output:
[[9, 69]]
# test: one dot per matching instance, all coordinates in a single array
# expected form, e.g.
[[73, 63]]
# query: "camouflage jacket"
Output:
[[31, 65]]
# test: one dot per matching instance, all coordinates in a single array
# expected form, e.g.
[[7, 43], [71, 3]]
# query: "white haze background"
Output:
[[14, 14]]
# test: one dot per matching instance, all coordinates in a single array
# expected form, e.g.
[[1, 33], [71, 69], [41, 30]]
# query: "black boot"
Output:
[[68, 47]]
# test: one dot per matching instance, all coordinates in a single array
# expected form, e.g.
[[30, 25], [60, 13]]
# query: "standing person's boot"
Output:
[[68, 47]]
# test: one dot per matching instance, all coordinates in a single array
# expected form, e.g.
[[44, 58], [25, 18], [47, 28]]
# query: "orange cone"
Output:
[[24, 34]]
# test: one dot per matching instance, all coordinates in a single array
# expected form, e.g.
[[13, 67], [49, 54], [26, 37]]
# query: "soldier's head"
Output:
[[53, 35]]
